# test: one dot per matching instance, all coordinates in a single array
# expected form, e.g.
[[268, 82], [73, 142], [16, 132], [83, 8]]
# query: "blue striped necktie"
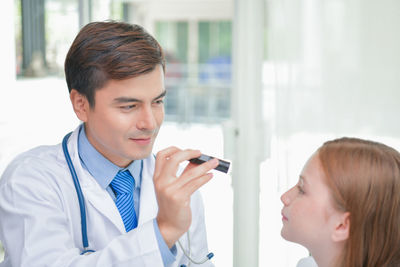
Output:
[[123, 185]]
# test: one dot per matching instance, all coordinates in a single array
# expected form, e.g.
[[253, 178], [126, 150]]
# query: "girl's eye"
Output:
[[301, 191]]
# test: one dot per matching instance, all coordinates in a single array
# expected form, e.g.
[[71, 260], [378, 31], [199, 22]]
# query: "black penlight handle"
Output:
[[223, 165]]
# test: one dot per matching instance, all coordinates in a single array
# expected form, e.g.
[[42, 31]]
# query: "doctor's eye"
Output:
[[127, 108], [159, 102]]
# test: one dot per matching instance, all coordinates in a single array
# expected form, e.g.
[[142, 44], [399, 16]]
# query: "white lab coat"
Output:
[[40, 219]]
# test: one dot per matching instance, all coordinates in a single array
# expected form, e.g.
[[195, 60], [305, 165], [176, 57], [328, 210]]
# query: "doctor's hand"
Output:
[[173, 193]]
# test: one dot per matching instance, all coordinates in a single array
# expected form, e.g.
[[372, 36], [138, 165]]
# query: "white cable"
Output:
[[188, 254]]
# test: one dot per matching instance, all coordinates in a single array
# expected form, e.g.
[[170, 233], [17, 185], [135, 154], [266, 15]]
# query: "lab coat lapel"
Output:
[[99, 199], [148, 201], [94, 195]]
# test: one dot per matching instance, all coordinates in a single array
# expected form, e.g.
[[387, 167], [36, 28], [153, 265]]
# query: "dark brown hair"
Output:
[[364, 179], [111, 50]]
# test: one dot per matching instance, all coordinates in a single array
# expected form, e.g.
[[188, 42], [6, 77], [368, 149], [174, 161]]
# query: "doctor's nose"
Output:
[[147, 119]]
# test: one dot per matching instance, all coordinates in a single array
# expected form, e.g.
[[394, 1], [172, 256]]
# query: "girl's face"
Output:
[[308, 214]]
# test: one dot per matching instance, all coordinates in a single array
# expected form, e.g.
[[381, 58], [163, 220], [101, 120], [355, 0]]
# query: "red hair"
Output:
[[364, 178]]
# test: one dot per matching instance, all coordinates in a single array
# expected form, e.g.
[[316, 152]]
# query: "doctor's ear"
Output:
[[342, 228], [80, 104]]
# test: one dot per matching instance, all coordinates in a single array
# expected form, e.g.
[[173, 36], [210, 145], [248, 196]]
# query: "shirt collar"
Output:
[[101, 168]]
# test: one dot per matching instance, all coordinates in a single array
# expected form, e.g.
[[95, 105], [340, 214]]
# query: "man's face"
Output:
[[126, 117]]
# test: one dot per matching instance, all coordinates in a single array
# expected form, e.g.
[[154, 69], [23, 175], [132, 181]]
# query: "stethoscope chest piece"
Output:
[[87, 252]]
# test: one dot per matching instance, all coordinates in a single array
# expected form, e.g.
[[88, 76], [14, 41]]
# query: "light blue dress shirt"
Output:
[[104, 171]]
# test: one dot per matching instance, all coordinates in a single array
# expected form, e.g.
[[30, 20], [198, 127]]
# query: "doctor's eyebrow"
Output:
[[123, 99], [161, 95]]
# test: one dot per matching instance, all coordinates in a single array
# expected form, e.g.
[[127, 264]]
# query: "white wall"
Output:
[[7, 70], [333, 70], [7, 49]]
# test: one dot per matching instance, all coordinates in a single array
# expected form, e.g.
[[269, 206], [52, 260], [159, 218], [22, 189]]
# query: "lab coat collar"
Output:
[[100, 199], [148, 199], [100, 167], [92, 192]]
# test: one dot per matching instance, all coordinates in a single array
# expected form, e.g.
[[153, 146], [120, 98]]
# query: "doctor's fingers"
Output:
[[171, 163], [195, 172], [162, 157], [190, 187], [179, 195]]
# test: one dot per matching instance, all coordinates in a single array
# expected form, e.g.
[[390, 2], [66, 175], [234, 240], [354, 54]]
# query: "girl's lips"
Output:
[[284, 218]]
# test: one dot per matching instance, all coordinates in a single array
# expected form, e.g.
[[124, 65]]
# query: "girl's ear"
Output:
[[80, 104], [342, 228]]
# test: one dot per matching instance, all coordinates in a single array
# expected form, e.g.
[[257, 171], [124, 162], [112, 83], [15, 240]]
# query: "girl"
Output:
[[345, 209]]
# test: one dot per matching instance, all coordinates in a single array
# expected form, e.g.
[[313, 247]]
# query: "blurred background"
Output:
[[262, 83]]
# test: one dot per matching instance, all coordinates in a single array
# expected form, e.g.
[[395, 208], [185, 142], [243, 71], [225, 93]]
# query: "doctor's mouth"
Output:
[[142, 141]]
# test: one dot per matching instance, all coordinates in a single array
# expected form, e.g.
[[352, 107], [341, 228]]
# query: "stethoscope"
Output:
[[82, 209]]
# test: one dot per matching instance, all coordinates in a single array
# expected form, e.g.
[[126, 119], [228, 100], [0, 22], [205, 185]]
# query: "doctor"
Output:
[[115, 75]]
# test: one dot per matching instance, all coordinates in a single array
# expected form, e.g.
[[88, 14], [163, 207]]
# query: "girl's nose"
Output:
[[285, 198]]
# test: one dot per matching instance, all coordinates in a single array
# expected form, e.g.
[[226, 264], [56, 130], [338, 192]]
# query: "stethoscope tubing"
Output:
[[81, 199]]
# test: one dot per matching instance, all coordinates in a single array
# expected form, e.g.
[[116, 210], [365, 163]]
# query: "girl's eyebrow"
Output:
[[302, 180]]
